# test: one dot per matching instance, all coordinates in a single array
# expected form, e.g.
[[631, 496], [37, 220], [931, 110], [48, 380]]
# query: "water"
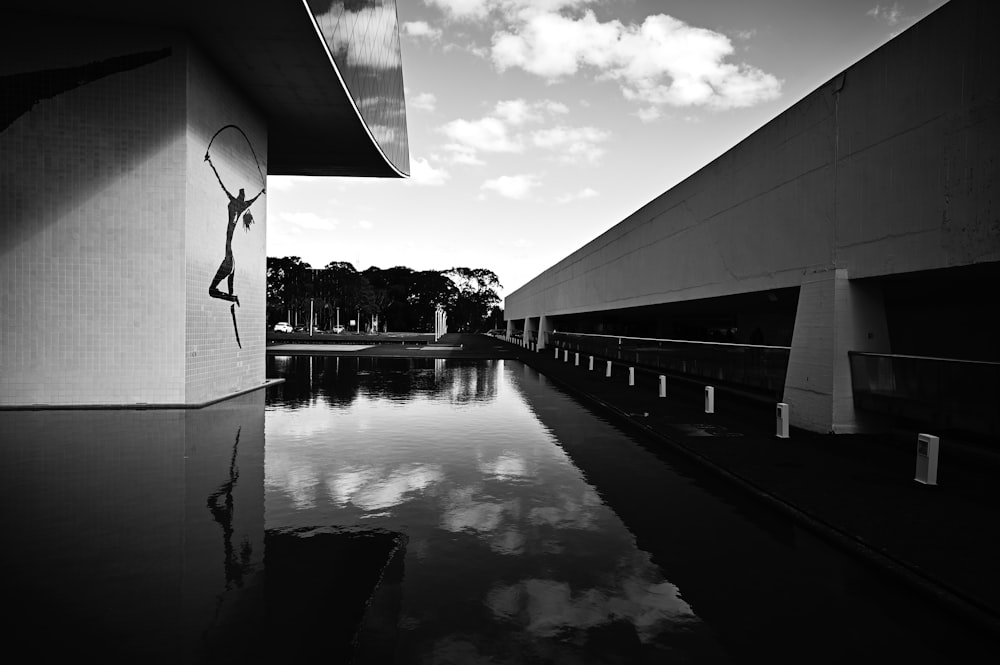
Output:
[[413, 511]]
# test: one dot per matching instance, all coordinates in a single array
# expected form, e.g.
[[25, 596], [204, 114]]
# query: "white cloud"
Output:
[[425, 101], [515, 111], [663, 61], [283, 183], [422, 29], [649, 114], [497, 132], [422, 173], [462, 8], [365, 225], [463, 154], [892, 15], [480, 9], [512, 186], [585, 193], [572, 143], [488, 134], [308, 220]]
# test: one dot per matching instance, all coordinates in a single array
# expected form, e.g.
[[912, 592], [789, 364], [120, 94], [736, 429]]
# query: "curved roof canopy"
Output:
[[326, 74]]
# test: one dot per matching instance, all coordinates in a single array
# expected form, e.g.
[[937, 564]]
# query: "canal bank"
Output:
[[858, 491]]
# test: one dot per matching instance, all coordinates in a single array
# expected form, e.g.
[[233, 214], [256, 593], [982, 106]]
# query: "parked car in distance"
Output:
[[282, 326], [337, 329]]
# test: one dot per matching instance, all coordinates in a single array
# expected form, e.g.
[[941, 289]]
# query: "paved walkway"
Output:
[[857, 490]]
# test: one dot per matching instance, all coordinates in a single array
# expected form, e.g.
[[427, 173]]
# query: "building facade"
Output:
[[862, 219], [135, 144]]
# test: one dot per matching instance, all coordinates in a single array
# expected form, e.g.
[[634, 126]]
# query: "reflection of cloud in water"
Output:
[[463, 512], [297, 482], [371, 489], [510, 541], [572, 514], [507, 466], [493, 522], [549, 607]]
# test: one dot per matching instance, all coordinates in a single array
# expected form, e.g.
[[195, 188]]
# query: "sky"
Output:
[[536, 125]]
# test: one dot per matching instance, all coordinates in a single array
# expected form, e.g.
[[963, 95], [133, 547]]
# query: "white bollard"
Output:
[[607, 372], [565, 356], [557, 354], [663, 386], [927, 459], [631, 376], [590, 367], [782, 420], [709, 399], [576, 360]]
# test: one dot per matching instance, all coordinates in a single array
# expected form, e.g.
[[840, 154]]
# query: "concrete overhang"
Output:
[[276, 53]]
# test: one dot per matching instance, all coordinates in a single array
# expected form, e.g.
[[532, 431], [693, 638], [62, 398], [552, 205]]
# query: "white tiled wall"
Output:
[[91, 240], [112, 226], [214, 363]]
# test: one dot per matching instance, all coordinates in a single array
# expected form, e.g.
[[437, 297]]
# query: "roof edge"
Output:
[[343, 84]]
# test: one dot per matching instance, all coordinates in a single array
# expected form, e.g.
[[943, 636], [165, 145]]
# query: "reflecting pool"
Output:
[[413, 511], [538, 532]]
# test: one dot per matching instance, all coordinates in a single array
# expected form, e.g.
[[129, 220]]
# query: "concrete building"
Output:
[[135, 143], [862, 219]]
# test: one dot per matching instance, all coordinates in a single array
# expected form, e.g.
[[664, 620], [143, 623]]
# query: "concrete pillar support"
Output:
[[834, 316], [530, 330], [544, 326]]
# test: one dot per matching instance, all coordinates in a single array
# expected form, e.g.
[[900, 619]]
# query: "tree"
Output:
[[289, 286], [476, 298]]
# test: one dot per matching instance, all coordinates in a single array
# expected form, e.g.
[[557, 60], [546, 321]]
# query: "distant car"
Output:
[[282, 326], [337, 329]]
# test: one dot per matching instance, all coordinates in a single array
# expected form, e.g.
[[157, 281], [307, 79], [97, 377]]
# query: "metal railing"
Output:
[[946, 392], [755, 366]]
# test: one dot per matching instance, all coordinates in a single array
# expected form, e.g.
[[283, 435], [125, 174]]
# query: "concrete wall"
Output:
[[889, 167], [112, 225]]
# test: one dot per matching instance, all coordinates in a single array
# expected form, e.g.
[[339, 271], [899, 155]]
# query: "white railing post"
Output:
[[663, 386], [782, 420], [709, 399], [927, 459], [576, 360], [590, 366], [607, 371], [631, 376]]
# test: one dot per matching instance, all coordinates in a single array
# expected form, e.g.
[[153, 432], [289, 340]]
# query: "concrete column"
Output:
[[544, 326], [834, 316], [530, 328]]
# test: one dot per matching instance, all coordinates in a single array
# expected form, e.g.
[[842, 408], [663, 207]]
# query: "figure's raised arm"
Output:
[[217, 177], [262, 191]]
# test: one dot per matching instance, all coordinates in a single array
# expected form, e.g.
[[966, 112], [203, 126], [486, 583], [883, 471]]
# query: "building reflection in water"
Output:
[[131, 532]]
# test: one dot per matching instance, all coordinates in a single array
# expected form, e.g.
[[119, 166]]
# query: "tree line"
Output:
[[392, 299]]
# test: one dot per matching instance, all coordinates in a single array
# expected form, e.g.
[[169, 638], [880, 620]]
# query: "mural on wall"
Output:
[[238, 205]]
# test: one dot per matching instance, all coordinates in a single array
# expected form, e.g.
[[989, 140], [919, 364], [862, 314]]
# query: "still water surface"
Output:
[[538, 532], [413, 511]]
